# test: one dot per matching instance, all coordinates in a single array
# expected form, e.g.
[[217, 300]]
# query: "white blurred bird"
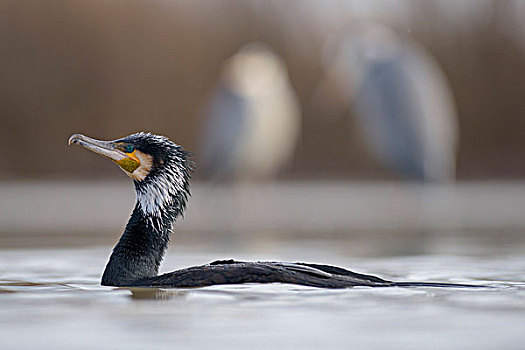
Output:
[[253, 119], [401, 99]]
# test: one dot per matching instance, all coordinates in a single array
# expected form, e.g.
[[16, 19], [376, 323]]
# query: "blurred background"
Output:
[[321, 115], [383, 136], [108, 69]]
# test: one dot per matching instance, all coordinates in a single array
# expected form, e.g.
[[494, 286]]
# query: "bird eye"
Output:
[[129, 148]]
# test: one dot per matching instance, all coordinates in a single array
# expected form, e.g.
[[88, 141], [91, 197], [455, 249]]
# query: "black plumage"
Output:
[[161, 197]]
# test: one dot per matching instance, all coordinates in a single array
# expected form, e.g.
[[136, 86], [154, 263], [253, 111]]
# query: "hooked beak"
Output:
[[104, 148]]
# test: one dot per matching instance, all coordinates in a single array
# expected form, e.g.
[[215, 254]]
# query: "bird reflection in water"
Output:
[[156, 293]]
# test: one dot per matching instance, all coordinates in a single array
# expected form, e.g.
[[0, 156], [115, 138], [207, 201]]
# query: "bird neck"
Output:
[[140, 250]]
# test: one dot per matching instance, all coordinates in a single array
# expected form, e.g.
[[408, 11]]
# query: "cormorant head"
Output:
[[160, 169]]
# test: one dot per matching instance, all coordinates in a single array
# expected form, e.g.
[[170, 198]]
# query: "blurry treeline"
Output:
[[110, 68]]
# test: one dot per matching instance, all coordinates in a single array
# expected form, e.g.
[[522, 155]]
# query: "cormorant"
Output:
[[161, 171]]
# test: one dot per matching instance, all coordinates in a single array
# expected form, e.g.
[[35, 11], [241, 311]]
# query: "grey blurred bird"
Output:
[[401, 99], [253, 119]]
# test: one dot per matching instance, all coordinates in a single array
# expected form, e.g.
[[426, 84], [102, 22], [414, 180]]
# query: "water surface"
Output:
[[51, 298]]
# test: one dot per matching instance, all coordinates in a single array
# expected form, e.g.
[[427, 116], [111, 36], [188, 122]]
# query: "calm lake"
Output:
[[51, 298], [50, 295]]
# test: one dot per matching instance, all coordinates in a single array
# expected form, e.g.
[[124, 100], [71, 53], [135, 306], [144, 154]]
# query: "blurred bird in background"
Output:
[[400, 97], [253, 119]]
